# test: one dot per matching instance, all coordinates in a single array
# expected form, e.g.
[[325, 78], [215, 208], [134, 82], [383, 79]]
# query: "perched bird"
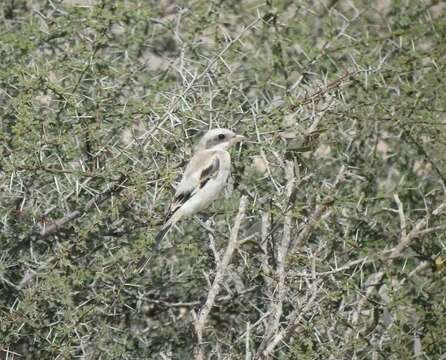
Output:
[[203, 180]]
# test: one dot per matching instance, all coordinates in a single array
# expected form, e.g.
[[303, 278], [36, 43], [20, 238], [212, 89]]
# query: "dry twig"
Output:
[[202, 316]]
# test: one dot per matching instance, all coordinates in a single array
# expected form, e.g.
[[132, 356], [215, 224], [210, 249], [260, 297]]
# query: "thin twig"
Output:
[[375, 279], [96, 200], [293, 322], [276, 301], [319, 211], [208, 67], [201, 318]]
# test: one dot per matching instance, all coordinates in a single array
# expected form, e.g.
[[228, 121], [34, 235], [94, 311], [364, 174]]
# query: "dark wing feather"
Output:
[[205, 175], [179, 200], [210, 172]]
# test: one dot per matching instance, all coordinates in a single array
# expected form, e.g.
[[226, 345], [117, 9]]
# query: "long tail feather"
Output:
[[145, 260], [158, 238]]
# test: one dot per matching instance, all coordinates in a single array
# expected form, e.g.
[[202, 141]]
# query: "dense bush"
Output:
[[330, 240]]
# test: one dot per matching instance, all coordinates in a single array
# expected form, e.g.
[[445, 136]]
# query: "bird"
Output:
[[202, 182]]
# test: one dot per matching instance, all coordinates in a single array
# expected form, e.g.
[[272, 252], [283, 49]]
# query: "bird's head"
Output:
[[219, 139]]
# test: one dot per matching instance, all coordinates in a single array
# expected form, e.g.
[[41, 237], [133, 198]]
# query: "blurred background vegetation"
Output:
[[101, 103]]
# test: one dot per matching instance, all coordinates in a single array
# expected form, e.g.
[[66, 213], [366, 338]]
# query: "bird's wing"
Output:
[[201, 168]]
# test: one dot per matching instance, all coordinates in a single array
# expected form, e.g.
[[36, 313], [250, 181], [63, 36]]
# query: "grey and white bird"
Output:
[[203, 180]]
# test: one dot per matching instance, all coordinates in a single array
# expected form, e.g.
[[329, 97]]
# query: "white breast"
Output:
[[213, 188]]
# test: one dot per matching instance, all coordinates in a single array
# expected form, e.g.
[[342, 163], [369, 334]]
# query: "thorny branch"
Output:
[[347, 277], [274, 334], [59, 224], [202, 316], [374, 281], [273, 321]]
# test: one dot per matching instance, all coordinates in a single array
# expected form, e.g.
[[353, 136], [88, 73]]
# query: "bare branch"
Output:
[[201, 318], [401, 214], [277, 299], [317, 214], [418, 230], [293, 322], [375, 279]]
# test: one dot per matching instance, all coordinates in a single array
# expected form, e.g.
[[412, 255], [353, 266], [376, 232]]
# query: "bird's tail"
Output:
[[158, 238], [161, 234]]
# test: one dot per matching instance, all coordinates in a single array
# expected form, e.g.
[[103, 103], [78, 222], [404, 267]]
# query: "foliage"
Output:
[[341, 249]]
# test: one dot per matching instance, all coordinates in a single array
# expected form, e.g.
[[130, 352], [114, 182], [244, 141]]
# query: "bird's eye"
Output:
[[221, 136]]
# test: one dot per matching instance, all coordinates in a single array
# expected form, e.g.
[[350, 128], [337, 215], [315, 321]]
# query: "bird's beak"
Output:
[[239, 138]]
